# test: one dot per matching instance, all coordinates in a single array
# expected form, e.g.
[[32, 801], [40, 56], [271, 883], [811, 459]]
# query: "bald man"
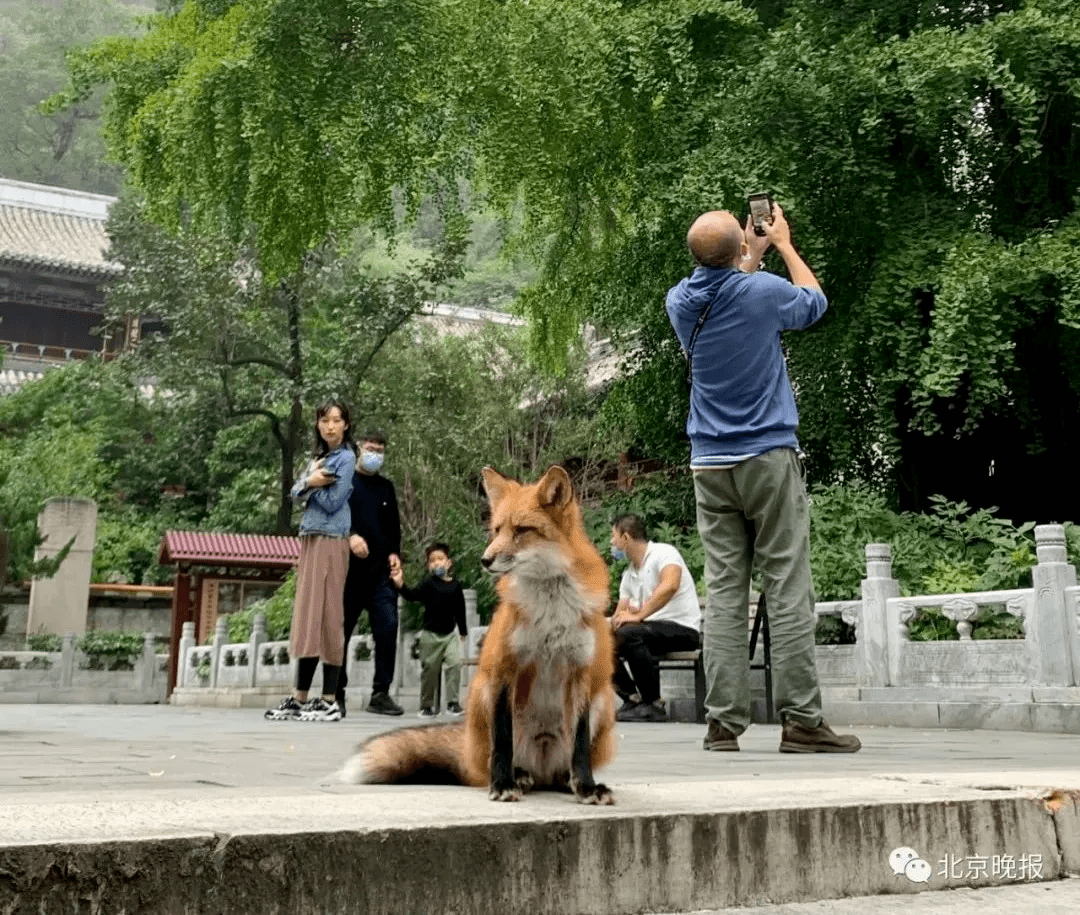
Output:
[[748, 482]]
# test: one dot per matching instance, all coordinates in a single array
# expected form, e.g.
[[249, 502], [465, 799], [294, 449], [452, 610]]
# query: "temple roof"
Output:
[[54, 228], [263, 551]]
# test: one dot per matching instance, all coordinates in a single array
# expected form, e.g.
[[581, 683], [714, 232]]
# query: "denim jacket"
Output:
[[326, 508]]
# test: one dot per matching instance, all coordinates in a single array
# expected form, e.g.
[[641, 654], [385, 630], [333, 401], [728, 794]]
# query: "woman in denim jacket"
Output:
[[318, 613]]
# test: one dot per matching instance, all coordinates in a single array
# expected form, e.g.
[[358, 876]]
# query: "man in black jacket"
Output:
[[374, 545]]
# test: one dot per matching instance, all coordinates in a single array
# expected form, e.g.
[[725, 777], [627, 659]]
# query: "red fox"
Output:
[[540, 709]]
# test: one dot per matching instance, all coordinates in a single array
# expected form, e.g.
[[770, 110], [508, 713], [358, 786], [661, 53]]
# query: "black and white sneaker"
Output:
[[452, 708], [428, 712], [286, 711], [318, 709]]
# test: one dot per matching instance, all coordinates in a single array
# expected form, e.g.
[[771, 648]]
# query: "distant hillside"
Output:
[[65, 149]]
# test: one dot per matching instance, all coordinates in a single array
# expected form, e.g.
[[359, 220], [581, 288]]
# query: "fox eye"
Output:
[[524, 529]]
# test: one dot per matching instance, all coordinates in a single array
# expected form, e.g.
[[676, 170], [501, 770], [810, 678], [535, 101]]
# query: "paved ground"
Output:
[[133, 773], [80, 748]]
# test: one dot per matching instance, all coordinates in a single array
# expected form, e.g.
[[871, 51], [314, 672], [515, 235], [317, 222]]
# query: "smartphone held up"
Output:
[[761, 211]]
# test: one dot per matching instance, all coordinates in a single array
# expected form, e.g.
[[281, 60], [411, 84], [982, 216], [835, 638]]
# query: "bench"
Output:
[[689, 660]]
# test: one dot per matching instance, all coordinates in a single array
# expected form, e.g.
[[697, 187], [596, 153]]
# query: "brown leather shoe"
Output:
[[797, 738], [719, 738]]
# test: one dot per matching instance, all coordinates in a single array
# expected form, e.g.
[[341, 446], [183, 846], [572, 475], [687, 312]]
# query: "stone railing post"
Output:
[[1053, 648], [145, 666], [258, 636], [221, 636], [187, 642], [67, 660], [472, 616], [877, 657]]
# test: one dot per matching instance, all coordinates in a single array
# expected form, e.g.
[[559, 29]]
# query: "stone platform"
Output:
[[136, 809]]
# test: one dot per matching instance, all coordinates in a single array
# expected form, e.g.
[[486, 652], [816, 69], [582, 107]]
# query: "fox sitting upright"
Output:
[[540, 708]]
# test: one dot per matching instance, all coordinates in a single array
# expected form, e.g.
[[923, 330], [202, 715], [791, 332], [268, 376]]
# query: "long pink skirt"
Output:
[[318, 621]]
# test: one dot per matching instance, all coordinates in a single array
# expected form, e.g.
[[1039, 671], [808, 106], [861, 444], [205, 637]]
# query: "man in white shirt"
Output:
[[658, 612]]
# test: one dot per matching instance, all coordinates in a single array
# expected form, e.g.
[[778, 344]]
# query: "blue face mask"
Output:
[[371, 461], [617, 554], [441, 571]]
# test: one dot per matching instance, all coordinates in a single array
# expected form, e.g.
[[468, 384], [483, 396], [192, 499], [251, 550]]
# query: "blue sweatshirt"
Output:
[[741, 402], [326, 511]]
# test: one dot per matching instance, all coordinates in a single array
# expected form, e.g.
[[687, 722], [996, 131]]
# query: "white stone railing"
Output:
[[66, 675], [255, 663], [884, 654]]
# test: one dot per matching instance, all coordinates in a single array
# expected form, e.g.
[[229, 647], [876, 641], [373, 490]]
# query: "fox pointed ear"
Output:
[[555, 489], [495, 484]]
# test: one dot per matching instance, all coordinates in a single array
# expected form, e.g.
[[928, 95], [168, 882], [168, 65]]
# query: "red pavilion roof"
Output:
[[262, 551]]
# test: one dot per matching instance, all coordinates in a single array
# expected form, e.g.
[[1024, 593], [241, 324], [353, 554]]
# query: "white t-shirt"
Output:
[[637, 586]]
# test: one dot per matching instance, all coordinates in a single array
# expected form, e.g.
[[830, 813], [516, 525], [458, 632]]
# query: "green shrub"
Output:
[[44, 641], [111, 650], [997, 623], [278, 611], [831, 630]]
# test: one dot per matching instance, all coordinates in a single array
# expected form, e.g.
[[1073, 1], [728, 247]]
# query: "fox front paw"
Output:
[[594, 794], [524, 781], [504, 792]]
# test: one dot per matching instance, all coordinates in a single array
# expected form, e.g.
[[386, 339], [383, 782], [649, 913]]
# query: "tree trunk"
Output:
[[294, 426]]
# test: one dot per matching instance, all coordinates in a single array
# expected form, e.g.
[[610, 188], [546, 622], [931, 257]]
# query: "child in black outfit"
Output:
[[444, 607]]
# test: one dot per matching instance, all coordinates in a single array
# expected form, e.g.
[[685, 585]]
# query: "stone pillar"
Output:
[[221, 637], [180, 662], [1052, 641], [877, 656], [146, 666], [472, 617], [67, 660], [258, 636], [59, 604]]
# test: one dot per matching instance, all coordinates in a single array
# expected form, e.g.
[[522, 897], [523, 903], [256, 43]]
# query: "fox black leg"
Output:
[[585, 789], [503, 784]]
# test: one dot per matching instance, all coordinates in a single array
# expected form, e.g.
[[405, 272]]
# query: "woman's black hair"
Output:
[[321, 448]]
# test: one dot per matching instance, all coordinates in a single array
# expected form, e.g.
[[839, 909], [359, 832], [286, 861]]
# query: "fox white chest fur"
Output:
[[555, 607], [552, 641]]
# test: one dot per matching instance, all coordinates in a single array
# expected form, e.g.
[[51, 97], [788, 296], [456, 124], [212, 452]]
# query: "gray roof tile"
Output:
[[50, 227]]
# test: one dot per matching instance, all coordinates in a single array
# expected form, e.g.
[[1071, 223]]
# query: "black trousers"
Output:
[[636, 648], [380, 599]]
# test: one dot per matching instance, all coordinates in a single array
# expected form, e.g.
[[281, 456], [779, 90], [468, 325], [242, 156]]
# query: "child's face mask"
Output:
[[371, 461]]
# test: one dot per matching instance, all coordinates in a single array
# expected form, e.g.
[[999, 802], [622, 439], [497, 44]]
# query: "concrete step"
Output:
[[670, 848], [127, 809]]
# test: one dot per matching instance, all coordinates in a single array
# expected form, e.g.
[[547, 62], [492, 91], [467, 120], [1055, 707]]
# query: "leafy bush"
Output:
[[278, 611], [44, 641], [951, 549], [831, 630], [110, 650]]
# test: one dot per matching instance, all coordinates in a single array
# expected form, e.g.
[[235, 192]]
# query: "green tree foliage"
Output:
[[925, 155], [87, 430], [924, 152], [238, 347], [278, 119]]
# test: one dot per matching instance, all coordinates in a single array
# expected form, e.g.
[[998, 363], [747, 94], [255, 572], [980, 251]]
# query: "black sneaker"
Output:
[[318, 709], [646, 711], [452, 708], [288, 709], [626, 706], [428, 712], [340, 700], [382, 704]]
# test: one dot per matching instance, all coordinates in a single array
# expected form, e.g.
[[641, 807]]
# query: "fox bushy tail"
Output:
[[426, 755]]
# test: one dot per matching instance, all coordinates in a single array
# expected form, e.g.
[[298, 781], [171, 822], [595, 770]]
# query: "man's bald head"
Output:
[[716, 239]]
